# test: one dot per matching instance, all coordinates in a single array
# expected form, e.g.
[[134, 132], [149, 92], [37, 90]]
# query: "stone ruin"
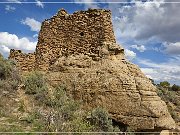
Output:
[[84, 32], [80, 51], [26, 62]]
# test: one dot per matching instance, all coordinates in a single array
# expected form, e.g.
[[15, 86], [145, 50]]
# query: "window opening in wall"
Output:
[[81, 34]]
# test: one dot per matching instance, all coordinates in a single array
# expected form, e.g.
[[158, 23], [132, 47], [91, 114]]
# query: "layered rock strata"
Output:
[[114, 84]]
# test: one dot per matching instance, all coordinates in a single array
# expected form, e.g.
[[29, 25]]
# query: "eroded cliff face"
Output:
[[115, 84], [87, 60]]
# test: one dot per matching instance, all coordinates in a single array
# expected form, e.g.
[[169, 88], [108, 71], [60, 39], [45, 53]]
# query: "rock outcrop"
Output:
[[80, 52], [115, 84]]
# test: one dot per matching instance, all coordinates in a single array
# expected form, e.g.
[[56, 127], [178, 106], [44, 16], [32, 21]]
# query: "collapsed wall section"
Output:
[[66, 34], [26, 62]]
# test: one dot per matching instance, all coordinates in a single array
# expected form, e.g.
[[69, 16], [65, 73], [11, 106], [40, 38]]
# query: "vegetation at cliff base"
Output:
[[30, 103], [9, 75], [64, 114], [171, 95]]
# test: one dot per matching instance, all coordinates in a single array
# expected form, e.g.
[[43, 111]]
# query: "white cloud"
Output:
[[140, 48], [148, 72], [11, 41], [32, 23], [120, 23], [172, 48], [87, 3], [4, 50], [149, 76], [148, 20], [39, 4], [167, 71], [9, 8], [130, 54]]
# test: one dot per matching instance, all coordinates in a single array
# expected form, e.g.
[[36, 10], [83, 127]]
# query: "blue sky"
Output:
[[149, 31]]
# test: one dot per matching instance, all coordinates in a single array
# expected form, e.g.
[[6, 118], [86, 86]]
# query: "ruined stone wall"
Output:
[[83, 32], [26, 62], [65, 34]]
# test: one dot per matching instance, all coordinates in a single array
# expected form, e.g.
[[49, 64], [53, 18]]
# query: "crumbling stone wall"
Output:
[[83, 32], [26, 62], [65, 34]]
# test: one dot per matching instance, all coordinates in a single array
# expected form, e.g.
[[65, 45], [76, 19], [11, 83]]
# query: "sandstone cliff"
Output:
[[116, 85], [80, 52]]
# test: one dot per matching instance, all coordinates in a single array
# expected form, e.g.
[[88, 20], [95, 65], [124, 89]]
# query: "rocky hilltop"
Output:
[[79, 51]]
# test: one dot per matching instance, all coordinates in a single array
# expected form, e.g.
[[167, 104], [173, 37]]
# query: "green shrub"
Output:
[[65, 115], [171, 96], [68, 109], [34, 120], [66, 106], [165, 84], [175, 88], [81, 125], [100, 119], [21, 107], [160, 92], [174, 115], [35, 83], [5, 69], [9, 75], [59, 97]]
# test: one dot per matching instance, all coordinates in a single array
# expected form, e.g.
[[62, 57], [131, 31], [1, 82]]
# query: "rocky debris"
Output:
[[80, 52]]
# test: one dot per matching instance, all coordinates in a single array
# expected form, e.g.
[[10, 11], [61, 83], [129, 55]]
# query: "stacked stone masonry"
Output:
[[26, 62], [87, 32]]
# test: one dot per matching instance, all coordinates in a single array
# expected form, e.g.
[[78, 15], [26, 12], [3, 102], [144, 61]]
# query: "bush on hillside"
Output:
[[175, 88], [6, 68], [66, 115], [100, 120], [172, 99], [9, 75], [165, 84], [35, 83]]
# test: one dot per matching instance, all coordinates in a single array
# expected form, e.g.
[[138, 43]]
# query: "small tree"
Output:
[[165, 84], [175, 88]]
